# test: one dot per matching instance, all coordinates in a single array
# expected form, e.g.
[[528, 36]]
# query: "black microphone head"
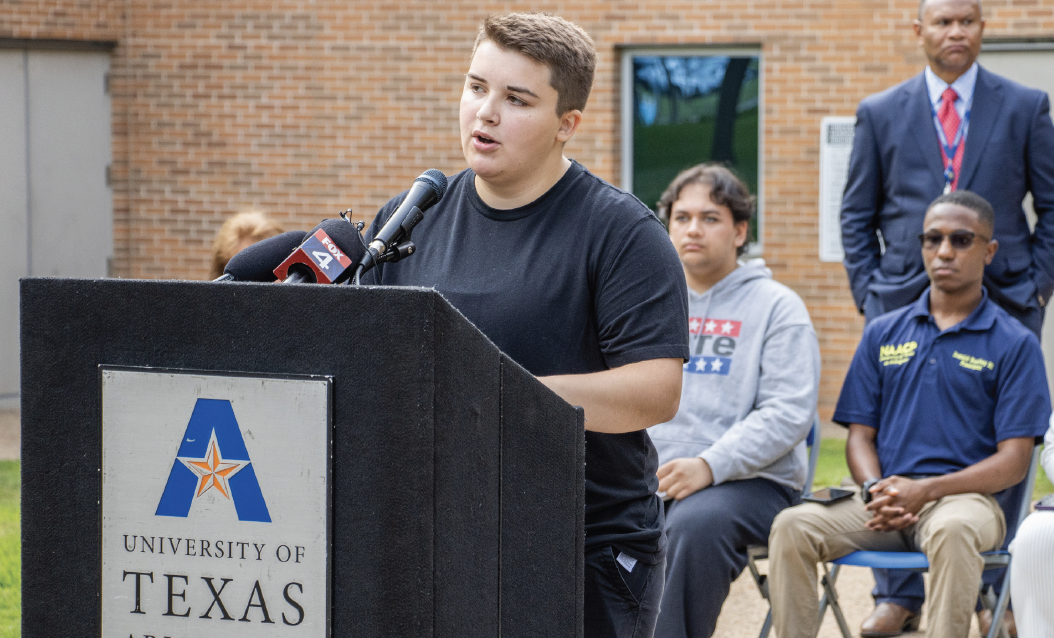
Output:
[[347, 238], [258, 261], [436, 180]]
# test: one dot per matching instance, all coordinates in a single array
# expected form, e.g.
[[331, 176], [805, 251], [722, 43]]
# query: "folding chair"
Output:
[[761, 552], [916, 562]]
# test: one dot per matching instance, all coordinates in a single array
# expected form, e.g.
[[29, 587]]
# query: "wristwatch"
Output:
[[865, 490]]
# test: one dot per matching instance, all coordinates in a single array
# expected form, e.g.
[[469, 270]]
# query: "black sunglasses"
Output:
[[960, 239]]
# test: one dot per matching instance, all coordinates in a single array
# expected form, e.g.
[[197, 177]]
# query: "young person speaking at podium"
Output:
[[574, 279]]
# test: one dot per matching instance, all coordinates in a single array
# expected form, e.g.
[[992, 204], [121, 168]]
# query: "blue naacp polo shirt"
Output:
[[942, 400]]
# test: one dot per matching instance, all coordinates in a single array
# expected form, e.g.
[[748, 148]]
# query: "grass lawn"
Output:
[[10, 554], [831, 469]]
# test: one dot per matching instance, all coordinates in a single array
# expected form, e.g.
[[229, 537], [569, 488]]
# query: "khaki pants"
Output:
[[951, 532]]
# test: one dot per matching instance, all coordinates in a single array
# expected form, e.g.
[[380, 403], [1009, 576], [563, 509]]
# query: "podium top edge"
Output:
[[108, 281]]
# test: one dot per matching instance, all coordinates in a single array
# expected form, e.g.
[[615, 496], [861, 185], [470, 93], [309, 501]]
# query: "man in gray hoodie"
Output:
[[734, 455]]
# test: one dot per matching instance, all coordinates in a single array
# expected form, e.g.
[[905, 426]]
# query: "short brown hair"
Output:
[[252, 225], [726, 189], [562, 46]]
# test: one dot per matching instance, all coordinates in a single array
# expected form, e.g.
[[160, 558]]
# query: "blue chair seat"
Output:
[[885, 560], [906, 560]]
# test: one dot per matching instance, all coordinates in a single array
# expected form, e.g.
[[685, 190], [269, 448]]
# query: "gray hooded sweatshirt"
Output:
[[748, 395]]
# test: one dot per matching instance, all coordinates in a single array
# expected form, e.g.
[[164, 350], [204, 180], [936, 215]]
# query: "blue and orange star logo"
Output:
[[201, 466], [213, 471]]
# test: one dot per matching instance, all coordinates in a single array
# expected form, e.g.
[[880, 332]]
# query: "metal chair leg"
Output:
[[833, 574], [832, 597], [999, 609], [762, 581], [767, 627]]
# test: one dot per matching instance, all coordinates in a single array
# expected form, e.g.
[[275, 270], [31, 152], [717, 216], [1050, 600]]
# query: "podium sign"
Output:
[[215, 504]]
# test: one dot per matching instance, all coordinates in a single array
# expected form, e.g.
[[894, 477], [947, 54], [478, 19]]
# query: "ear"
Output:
[[742, 228], [917, 25], [568, 125], [993, 246]]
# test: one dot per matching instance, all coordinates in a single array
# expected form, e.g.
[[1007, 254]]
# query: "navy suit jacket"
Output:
[[896, 170]]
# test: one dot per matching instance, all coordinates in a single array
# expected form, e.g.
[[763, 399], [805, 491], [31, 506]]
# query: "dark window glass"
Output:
[[691, 109]]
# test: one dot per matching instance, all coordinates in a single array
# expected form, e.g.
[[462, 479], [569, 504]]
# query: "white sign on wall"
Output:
[[215, 505], [836, 143]]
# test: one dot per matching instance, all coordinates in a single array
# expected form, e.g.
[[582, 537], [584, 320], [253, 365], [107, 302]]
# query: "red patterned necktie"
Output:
[[949, 119]]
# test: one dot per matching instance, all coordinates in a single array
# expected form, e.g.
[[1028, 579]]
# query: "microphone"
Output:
[[325, 256], [256, 262], [427, 189]]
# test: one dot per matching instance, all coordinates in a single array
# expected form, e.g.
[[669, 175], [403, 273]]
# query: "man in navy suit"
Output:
[[917, 140], [898, 166]]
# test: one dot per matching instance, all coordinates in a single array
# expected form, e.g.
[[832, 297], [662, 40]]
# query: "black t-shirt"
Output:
[[580, 280]]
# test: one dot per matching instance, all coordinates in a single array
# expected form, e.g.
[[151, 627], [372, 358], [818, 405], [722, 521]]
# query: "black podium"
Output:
[[457, 478]]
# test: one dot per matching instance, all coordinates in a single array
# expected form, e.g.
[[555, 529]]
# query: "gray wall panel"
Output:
[[12, 211], [56, 210], [71, 223]]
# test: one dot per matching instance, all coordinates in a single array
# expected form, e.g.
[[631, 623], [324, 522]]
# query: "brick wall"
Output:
[[306, 108], [61, 19]]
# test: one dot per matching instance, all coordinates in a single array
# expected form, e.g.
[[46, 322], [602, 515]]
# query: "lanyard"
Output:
[[950, 149]]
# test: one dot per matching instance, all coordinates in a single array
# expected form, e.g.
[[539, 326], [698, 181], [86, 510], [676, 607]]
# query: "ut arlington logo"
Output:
[[212, 457]]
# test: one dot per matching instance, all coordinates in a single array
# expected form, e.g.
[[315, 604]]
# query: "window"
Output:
[[684, 107]]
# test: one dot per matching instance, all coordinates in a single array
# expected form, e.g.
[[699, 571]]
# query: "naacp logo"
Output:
[[897, 355], [213, 458]]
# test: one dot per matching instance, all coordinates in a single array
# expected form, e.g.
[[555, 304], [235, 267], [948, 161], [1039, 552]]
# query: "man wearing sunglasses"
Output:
[[953, 126], [944, 400]]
